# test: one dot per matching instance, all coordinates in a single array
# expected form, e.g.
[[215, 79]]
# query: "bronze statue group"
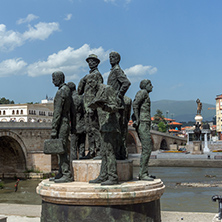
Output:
[[101, 114]]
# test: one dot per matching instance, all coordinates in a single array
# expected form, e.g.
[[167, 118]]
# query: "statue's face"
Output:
[[149, 87], [113, 59], [56, 80], [92, 63]]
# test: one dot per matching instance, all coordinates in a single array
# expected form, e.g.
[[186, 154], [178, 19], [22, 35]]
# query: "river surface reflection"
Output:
[[175, 197]]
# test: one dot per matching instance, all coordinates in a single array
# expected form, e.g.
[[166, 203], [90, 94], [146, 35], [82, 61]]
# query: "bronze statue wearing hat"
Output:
[[88, 87]]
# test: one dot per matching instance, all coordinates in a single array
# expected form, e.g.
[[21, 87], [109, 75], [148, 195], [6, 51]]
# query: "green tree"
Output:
[[162, 127], [159, 120], [159, 117], [3, 100]]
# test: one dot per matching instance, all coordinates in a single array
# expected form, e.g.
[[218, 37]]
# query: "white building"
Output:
[[26, 112], [219, 115]]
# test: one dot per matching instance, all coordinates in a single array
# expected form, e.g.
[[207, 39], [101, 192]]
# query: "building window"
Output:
[[21, 112], [0, 112], [17, 112], [4, 112], [13, 112]]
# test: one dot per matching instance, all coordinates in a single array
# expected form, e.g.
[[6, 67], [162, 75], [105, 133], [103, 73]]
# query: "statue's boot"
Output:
[[63, 179], [109, 182], [58, 176], [146, 177], [98, 156], [89, 155], [98, 180], [152, 176]]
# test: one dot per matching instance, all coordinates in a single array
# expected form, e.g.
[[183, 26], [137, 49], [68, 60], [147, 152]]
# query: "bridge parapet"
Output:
[[25, 125]]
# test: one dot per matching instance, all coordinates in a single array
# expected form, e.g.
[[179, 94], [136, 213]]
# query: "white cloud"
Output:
[[2, 28], [12, 67], [41, 31], [71, 61], [11, 39], [29, 18], [68, 17], [139, 72], [136, 73]]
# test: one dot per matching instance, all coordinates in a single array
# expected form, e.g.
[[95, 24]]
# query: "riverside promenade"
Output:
[[32, 213]]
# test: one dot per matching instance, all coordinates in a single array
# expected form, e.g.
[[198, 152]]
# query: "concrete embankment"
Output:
[[161, 159]]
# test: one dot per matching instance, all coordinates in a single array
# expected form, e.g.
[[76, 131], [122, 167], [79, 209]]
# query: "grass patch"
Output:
[[2, 185]]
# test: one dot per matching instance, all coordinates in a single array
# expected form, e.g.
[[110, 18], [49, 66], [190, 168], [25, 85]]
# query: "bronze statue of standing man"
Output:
[[120, 83], [106, 99], [78, 135], [141, 109], [88, 87], [60, 124]]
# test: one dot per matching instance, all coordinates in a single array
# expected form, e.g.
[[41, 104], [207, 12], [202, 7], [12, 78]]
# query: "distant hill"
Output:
[[182, 111]]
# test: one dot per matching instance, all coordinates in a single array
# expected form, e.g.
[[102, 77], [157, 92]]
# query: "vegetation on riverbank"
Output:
[[1, 185]]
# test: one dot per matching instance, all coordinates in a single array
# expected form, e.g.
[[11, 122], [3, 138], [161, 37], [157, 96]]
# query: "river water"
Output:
[[175, 198]]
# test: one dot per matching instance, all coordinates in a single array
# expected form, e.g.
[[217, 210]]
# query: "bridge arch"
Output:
[[13, 153], [163, 145], [133, 141]]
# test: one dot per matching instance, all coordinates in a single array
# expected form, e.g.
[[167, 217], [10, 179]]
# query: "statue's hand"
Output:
[[53, 134], [136, 123], [109, 108]]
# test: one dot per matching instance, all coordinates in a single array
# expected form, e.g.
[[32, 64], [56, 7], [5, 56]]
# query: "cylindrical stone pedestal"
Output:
[[80, 201], [86, 170]]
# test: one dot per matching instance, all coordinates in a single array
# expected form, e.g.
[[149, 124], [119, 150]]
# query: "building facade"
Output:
[[219, 115], [26, 112]]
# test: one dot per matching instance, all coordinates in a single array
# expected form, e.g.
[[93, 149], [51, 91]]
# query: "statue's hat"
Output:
[[93, 56]]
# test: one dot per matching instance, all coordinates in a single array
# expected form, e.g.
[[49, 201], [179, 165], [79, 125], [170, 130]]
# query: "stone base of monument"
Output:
[[197, 147], [3, 219], [130, 201], [86, 170]]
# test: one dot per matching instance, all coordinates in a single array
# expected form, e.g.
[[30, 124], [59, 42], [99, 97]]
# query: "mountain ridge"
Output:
[[183, 111]]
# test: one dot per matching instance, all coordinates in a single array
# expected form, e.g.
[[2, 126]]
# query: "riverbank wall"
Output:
[[161, 159]]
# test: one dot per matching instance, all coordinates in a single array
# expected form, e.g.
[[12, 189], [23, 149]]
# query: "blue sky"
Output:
[[177, 44]]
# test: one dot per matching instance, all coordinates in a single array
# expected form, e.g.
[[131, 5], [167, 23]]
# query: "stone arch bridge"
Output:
[[21, 146]]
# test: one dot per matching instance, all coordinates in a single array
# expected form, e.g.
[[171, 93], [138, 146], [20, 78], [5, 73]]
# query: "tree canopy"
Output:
[[3, 100], [160, 121], [159, 117]]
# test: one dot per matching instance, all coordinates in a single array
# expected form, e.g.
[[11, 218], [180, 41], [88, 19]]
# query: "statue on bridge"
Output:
[[142, 123], [197, 131], [199, 106]]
